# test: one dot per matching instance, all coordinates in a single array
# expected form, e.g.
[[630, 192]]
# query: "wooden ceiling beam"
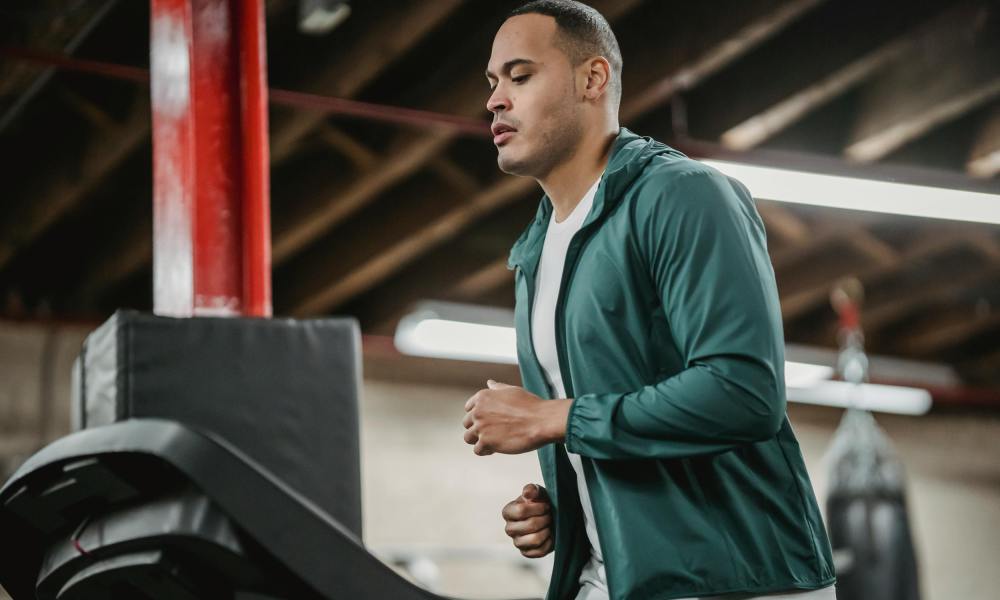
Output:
[[344, 75], [732, 35], [875, 318], [329, 203], [783, 223], [810, 81], [434, 278], [982, 368], [126, 255], [877, 251], [950, 72], [86, 108], [62, 190], [946, 332], [362, 157], [334, 291], [796, 304], [734, 32], [454, 175], [63, 31], [448, 272], [484, 280], [792, 254], [984, 158]]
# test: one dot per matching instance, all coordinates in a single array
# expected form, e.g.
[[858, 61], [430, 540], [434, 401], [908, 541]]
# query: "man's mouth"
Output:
[[501, 133]]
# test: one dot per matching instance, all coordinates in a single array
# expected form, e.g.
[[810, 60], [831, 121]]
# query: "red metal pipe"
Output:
[[71, 63], [328, 104], [256, 162]]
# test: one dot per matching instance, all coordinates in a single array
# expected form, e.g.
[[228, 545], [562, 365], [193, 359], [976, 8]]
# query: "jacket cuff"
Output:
[[584, 413]]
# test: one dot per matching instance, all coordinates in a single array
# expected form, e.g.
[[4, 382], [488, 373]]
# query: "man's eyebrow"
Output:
[[510, 64]]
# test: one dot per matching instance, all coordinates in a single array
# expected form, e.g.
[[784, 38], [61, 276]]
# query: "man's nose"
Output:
[[497, 101]]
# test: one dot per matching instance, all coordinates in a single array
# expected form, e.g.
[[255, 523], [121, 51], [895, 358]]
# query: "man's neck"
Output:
[[566, 184]]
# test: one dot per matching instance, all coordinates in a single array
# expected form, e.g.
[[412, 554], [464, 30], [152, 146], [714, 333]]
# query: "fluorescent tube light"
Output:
[[459, 332], [799, 374], [867, 396], [458, 340], [835, 191], [466, 332]]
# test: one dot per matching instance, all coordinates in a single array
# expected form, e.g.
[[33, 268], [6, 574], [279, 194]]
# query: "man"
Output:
[[650, 346]]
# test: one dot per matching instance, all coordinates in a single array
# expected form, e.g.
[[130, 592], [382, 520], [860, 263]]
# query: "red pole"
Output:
[[256, 162], [211, 238]]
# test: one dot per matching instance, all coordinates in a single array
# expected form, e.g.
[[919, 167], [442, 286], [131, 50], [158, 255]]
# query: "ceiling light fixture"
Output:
[[852, 193]]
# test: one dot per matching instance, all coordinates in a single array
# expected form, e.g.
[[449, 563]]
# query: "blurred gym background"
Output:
[[394, 199]]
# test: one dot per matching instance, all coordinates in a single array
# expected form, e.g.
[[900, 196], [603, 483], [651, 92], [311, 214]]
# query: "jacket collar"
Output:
[[629, 155]]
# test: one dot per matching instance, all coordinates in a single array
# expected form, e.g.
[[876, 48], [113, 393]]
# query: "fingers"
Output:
[[467, 421], [471, 402], [527, 526], [470, 437], [481, 449], [496, 385], [519, 510], [541, 551], [534, 493], [533, 541]]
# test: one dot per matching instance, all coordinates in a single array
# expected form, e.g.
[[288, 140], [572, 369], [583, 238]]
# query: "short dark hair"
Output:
[[584, 33]]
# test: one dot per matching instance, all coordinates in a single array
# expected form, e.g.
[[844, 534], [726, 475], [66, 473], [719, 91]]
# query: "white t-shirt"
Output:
[[593, 579], [543, 334]]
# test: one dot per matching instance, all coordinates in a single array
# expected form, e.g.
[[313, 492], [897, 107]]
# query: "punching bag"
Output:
[[866, 503], [867, 516]]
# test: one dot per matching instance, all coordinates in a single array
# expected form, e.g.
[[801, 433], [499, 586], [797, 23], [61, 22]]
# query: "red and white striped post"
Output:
[[211, 220]]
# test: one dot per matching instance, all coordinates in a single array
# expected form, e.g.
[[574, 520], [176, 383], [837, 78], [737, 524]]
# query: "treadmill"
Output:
[[211, 458]]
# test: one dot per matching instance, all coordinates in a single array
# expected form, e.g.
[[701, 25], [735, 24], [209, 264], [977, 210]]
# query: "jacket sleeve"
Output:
[[706, 253]]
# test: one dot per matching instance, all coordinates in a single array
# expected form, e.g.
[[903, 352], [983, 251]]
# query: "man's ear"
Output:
[[598, 77]]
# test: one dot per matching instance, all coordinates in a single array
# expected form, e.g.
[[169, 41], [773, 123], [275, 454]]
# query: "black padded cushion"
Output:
[[283, 391]]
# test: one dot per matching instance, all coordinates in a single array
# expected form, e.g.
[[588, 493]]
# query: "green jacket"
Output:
[[669, 336]]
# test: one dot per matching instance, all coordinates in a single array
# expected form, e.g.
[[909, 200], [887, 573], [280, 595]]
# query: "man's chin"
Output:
[[510, 165]]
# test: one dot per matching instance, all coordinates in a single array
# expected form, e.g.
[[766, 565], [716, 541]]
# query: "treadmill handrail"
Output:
[[251, 496]]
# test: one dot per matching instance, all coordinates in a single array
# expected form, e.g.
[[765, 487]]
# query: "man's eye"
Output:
[[520, 78]]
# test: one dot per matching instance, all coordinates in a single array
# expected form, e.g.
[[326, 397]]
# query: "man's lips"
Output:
[[501, 133]]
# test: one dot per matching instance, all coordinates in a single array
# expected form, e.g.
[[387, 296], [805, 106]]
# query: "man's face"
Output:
[[537, 121]]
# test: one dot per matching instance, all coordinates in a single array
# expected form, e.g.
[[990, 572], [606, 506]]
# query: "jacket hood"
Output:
[[630, 154]]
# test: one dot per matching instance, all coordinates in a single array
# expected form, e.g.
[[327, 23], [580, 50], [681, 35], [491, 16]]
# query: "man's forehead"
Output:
[[522, 37]]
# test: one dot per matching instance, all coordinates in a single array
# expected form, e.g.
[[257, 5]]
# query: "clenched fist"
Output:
[[510, 420], [529, 521]]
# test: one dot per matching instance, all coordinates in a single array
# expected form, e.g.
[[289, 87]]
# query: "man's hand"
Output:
[[511, 420], [529, 521]]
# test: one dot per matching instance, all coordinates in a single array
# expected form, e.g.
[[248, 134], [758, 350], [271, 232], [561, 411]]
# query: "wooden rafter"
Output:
[[782, 223], [947, 331], [329, 203], [62, 190], [877, 317], [812, 79], [746, 26], [484, 280], [798, 303], [732, 35], [952, 71], [345, 74], [984, 158], [406, 249]]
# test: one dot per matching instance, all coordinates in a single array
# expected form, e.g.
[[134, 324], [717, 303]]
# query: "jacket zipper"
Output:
[[572, 254]]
